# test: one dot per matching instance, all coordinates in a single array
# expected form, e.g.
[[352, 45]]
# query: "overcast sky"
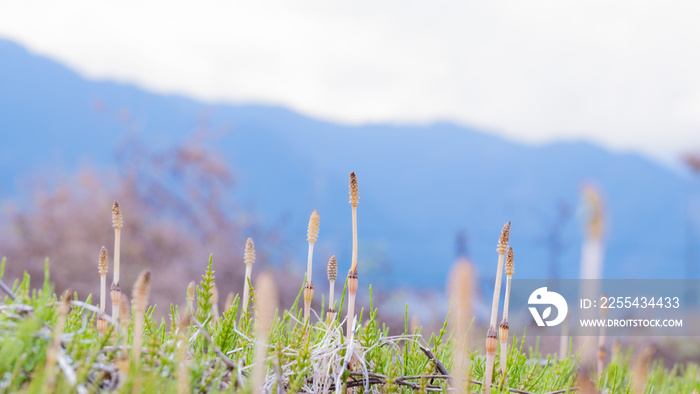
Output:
[[625, 74]]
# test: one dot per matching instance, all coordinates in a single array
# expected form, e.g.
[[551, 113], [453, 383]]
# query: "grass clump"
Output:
[[45, 341]]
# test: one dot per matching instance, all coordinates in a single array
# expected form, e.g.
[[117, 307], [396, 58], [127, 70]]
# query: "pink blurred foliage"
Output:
[[177, 206]]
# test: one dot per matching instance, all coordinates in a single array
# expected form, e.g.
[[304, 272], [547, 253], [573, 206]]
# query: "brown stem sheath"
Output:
[[490, 356], [308, 296]]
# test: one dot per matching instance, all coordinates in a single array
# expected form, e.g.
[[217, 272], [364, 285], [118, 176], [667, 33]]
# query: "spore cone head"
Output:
[[312, 233], [249, 254], [354, 190], [505, 235], [102, 265], [510, 263], [332, 269], [117, 219]]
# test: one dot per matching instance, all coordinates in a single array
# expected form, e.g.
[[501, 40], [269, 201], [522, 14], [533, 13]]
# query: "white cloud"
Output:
[[625, 74]]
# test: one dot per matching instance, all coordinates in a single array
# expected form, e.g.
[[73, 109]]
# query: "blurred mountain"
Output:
[[420, 186]]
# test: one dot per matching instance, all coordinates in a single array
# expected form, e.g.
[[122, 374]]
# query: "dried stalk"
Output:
[[352, 274], [502, 249], [115, 291], [312, 237], [102, 269], [592, 253], [491, 341], [332, 276], [249, 260], [503, 328]]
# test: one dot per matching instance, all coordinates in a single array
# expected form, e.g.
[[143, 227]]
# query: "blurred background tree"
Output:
[[177, 210]]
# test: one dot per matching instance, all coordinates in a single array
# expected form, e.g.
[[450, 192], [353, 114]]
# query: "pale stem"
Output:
[[354, 239], [488, 374], [592, 259], [307, 309], [308, 263], [115, 310], [351, 314], [460, 363], [117, 243], [497, 289], [103, 291], [115, 280], [591, 271], [331, 297], [260, 367], [506, 302], [246, 287], [504, 357]]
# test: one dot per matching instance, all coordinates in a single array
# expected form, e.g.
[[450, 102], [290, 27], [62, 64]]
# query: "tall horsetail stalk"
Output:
[[115, 291], [266, 298], [332, 276], [312, 237], [142, 289], [352, 274], [460, 286], [249, 260], [102, 269], [591, 270], [491, 334], [503, 328]]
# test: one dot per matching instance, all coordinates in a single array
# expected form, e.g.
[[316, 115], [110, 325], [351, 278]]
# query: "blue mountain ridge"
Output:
[[419, 185]]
